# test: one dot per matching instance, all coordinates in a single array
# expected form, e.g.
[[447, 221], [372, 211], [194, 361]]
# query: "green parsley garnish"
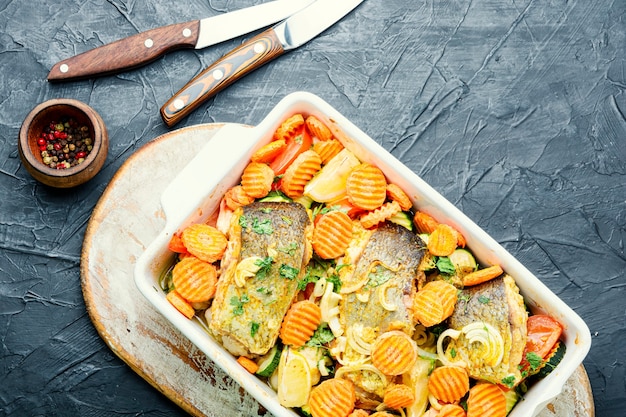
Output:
[[445, 266], [254, 328], [322, 336], [535, 361], [288, 272], [336, 282], [262, 227], [264, 267], [237, 303], [289, 249], [379, 276], [483, 299], [509, 381]]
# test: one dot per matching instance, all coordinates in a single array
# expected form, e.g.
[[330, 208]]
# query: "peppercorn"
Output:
[[64, 144]]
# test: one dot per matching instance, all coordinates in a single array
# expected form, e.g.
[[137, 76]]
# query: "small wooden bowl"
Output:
[[33, 126]]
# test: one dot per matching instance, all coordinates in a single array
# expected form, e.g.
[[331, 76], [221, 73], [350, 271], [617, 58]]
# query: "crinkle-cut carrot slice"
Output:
[[248, 364], [442, 240], [332, 234], [482, 275], [318, 129], [366, 187], [236, 197], [424, 223], [486, 400], [399, 396], [427, 307], [194, 279], [300, 322], [382, 414], [395, 193], [301, 170], [332, 398], [448, 383], [394, 352], [327, 149], [448, 295], [182, 305], [451, 410], [269, 151], [257, 179], [384, 212], [204, 242], [289, 127]]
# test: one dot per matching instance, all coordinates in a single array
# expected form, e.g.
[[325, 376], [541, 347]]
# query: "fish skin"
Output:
[[505, 311], [401, 251], [270, 297]]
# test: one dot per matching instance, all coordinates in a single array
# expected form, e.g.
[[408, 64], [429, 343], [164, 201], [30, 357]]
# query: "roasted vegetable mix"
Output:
[[324, 279]]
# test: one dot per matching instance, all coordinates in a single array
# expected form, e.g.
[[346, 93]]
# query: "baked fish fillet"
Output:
[[498, 303], [269, 247], [387, 268]]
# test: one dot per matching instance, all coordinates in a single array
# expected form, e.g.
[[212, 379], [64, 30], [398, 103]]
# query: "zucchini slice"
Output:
[[552, 360], [269, 362], [403, 219]]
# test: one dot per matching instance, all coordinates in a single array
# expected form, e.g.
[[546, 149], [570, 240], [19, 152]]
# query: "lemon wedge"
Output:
[[330, 183], [294, 379]]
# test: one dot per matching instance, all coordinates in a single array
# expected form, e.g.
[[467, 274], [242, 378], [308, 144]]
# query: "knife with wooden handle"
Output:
[[291, 33], [145, 47]]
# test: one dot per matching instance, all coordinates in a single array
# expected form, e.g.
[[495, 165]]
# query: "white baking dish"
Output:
[[196, 192]]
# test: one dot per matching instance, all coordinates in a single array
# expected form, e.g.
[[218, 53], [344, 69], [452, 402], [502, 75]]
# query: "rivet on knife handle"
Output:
[[241, 61], [127, 53]]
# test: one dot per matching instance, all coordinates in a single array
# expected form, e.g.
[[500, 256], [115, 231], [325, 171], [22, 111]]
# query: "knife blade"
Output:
[[289, 34], [145, 47]]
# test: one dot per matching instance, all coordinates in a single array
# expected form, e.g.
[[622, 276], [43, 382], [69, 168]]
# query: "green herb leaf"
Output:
[[483, 299], [243, 222], [379, 276], [237, 303], [254, 328], [262, 227], [445, 266], [509, 381], [288, 272], [535, 361], [336, 282], [289, 249], [264, 267], [322, 336]]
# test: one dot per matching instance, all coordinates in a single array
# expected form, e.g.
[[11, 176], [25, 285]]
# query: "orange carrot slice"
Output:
[[194, 280], [332, 398], [248, 364], [399, 396], [257, 179], [359, 413], [236, 197], [448, 383], [394, 352], [451, 410], [289, 127], [268, 152], [332, 234], [180, 304], [486, 400], [384, 212], [424, 223], [482, 275], [366, 187], [448, 295], [396, 193], [442, 240], [318, 128], [204, 242], [327, 149], [427, 307], [300, 322], [300, 172]]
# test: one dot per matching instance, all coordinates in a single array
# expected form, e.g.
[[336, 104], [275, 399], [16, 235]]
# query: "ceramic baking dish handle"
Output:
[[190, 197]]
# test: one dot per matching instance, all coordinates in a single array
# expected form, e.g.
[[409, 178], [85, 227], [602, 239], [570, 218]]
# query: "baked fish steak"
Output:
[[266, 258]]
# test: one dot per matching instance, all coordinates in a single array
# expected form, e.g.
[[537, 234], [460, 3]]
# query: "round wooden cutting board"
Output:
[[126, 219]]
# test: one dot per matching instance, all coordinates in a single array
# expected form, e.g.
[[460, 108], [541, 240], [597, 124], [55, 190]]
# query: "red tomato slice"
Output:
[[543, 333], [297, 144]]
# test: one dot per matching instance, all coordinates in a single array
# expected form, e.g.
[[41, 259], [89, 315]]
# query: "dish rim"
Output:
[[187, 200]]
